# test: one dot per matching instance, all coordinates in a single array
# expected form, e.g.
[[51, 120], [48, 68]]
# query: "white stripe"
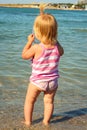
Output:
[[45, 65], [48, 51]]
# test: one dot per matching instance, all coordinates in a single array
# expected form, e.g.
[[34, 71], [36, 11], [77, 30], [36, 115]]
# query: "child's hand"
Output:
[[31, 38]]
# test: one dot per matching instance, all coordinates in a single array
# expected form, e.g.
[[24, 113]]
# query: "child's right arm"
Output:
[[60, 49], [29, 50]]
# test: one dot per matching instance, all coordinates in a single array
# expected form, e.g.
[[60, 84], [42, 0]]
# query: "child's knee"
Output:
[[48, 100], [31, 100]]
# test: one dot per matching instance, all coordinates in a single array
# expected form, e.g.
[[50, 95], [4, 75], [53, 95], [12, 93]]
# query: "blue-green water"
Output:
[[15, 25]]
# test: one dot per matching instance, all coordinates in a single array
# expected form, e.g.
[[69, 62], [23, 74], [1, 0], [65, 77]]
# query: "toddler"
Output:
[[45, 60]]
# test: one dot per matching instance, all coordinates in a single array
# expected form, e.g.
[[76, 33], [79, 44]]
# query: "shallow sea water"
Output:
[[71, 98]]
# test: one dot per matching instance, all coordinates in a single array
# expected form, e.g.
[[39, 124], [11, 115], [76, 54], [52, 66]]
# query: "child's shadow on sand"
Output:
[[66, 116], [69, 115]]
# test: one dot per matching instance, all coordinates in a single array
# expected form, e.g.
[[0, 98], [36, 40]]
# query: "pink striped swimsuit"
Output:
[[45, 69]]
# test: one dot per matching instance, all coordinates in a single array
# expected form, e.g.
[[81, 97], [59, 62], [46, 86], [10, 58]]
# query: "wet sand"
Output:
[[11, 117]]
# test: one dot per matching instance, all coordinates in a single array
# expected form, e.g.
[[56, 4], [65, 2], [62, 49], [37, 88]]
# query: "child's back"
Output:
[[45, 66]]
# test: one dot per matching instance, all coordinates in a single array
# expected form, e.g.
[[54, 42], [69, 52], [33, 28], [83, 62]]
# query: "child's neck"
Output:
[[48, 45]]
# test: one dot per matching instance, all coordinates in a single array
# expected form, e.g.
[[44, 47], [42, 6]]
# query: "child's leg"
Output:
[[32, 94], [48, 106]]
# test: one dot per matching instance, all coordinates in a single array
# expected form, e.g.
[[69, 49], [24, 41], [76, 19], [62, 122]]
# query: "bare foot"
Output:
[[45, 123], [26, 123]]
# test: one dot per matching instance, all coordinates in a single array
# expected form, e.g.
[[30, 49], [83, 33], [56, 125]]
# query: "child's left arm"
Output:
[[60, 48], [29, 50]]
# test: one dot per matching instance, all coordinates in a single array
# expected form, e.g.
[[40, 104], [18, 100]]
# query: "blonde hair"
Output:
[[45, 27]]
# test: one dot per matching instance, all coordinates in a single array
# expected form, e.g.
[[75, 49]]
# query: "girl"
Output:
[[45, 59]]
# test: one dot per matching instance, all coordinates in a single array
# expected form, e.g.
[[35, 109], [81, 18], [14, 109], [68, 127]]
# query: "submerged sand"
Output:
[[11, 117]]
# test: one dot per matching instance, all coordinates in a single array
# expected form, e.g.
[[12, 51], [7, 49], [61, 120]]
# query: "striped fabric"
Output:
[[45, 68]]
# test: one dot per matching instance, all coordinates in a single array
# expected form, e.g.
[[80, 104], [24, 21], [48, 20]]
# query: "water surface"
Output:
[[15, 25]]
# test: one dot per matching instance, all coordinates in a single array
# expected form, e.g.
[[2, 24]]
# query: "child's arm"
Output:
[[29, 50], [60, 49]]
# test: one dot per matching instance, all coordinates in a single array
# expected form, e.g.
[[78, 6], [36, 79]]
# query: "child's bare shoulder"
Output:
[[38, 50], [37, 47]]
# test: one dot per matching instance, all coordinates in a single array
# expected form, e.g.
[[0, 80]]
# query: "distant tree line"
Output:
[[69, 5]]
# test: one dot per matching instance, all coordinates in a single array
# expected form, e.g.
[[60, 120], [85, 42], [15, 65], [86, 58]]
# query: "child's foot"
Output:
[[45, 123], [26, 123]]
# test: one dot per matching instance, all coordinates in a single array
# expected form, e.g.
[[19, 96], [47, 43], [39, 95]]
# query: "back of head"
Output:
[[45, 27]]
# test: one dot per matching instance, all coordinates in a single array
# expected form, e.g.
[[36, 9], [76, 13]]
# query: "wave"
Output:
[[80, 29]]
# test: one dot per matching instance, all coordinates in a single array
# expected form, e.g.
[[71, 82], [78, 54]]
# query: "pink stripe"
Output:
[[44, 77], [44, 68], [53, 50], [51, 54], [51, 72]]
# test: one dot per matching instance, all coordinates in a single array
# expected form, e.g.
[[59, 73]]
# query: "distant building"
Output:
[[82, 1], [85, 6], [64, 6], [73, 7]]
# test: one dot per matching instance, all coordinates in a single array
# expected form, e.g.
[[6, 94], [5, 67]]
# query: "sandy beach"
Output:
[[11, 117]]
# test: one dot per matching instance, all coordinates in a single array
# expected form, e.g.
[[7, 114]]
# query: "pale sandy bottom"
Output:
[[11, 117]]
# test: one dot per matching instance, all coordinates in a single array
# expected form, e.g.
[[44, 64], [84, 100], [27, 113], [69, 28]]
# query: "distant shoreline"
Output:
[[33, 6]]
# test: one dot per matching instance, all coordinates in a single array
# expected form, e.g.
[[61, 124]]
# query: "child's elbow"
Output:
[[23, 56], [62, 51]]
